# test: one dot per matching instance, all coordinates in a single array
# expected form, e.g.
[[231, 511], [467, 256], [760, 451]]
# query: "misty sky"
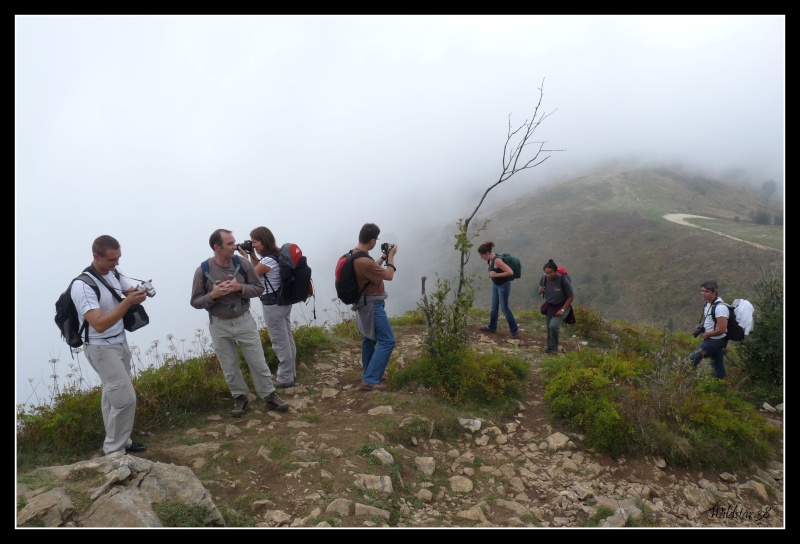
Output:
[[159, 129]]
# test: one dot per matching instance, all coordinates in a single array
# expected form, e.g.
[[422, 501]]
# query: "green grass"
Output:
[[627, 392]]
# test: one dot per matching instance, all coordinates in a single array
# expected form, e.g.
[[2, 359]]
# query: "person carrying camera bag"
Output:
[[378, 341], [712, 331], [559, 296], [107, 349]]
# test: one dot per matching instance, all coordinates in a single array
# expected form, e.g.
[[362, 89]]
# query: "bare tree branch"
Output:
[[517, 140]]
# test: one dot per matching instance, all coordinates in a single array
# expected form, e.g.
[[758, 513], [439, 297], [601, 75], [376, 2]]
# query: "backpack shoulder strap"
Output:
[[90, 271], [714, 308], [88, 279], [276, 257], [205, 268], [356, 255], [238, 264]]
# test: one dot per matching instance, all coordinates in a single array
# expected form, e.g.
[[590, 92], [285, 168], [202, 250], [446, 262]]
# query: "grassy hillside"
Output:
[[626, 261]]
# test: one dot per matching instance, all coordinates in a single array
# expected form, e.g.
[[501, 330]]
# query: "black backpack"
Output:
[[735, 331], [296, 285], [346, 284], [67, 315]]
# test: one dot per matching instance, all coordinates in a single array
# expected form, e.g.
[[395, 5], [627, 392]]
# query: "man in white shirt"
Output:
[[714, 325], [107, 349]]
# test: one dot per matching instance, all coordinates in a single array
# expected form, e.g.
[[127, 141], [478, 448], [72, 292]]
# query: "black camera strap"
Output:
[[136, 313], [703, 316], [711, 311], [93, 271]]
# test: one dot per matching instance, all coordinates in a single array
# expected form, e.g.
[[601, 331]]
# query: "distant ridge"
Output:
[[626, 260]]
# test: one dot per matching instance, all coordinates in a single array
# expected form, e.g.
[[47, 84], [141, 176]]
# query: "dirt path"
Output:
[[680, 218]]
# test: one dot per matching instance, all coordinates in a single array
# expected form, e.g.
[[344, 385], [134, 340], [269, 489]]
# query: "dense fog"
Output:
[[159, 129]]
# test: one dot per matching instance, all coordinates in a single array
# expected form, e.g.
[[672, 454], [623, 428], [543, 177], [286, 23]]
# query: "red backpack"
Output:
[[345, 274], [562, 273]]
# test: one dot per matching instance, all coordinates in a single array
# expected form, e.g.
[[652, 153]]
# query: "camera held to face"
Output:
[[386, 247], [247, 245], [147, 286], [698, 331]]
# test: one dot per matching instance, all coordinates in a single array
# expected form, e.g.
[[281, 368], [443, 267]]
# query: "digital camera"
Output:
[[147, 286], [386, 247], [698, 331], [247, 245]]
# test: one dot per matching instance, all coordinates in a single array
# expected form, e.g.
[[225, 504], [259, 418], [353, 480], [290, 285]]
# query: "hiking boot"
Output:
[[275, 402], [485, 328], [240, 406], [135, 447], [373, 386], [515, 334], [696, 357], [283, 384]]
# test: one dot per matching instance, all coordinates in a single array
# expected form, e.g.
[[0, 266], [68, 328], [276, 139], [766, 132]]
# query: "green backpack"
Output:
[[512, 262]]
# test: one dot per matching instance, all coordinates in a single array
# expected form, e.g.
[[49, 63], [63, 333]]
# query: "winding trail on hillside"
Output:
[[680, 218]]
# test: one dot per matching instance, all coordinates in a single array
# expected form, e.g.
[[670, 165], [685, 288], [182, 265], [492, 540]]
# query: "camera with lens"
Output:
[[698, 331], [247, 245], [147, 286], [386, 247]]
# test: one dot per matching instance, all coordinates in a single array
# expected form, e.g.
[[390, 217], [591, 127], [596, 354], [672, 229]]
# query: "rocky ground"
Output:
[[331, 462]]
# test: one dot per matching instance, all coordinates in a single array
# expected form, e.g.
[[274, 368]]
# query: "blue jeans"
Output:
[[713, 349], [375, 354], [500, 295]]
